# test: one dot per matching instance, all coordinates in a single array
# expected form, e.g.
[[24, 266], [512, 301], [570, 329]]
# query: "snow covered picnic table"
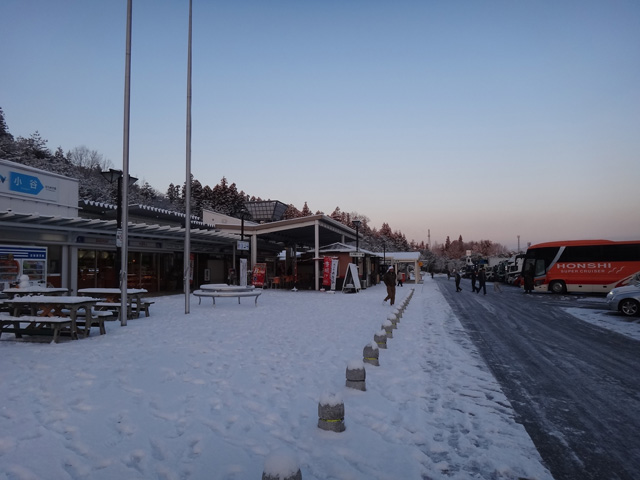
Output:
[[21, 291], [35, 326], [50, 315], [111, 300]]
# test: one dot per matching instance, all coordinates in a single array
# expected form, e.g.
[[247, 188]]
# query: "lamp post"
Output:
[[384, 253], [113, 175], [356, 223], [243, 213]]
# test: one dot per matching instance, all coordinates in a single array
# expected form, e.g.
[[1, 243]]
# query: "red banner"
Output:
[[326, 271]]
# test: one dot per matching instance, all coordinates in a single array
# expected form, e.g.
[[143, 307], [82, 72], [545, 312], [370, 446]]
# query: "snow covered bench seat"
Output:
[[216, 294], [134, 306], [143, 306], [112, 308], [32, 325], [97, 320]]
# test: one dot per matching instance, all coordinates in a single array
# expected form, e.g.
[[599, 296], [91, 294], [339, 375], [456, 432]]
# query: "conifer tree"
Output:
[[306, 211]]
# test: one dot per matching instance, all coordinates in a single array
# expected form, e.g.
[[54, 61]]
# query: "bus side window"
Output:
[[540, 267]]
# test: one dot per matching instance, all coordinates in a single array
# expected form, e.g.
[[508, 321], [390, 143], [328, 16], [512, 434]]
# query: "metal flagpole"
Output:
[[124, 311], [187, 193]]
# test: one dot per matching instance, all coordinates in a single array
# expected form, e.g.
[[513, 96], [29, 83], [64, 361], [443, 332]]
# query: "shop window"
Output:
[[87, 269]]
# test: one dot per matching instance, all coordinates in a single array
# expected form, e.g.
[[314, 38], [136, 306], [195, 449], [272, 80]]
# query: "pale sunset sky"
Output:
[[486, 119]]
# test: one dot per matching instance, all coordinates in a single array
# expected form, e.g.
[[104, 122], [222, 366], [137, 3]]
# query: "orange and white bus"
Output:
[[582, 265]]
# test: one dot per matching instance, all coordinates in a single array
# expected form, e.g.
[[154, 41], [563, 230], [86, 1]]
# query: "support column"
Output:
[[70, 263], [254, 249]]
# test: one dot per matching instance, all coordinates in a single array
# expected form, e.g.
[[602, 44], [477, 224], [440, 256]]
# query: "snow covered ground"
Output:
[[608, 319], [221, 392]]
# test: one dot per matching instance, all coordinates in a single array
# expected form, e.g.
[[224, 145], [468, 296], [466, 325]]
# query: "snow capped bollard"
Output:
[[381, 339], [331, 413], [388, 327], [370, 354], [281, 465], [394, 319], [356, 375]]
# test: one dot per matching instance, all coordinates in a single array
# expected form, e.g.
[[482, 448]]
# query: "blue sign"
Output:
[[22, 183], [23, 253]]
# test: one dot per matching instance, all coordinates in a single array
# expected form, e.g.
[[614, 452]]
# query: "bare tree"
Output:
[[83, 157]]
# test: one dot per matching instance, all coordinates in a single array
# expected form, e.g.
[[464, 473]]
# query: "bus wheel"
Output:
[[629, 307], [558, 287]]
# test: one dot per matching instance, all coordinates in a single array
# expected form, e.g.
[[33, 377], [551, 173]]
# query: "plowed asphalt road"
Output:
[[574, 386]]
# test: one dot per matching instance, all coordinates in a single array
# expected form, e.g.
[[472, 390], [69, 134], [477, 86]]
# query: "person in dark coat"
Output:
[[528, 280], [456, 274], [473, 280], [232, 277], [389, 280], [482, 281]]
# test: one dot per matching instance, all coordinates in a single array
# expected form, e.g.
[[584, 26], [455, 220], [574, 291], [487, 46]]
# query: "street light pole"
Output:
[[119, 227], [242, 280], [125, 169], [356, 259], [356, 223], [384, 253], [113, 175]]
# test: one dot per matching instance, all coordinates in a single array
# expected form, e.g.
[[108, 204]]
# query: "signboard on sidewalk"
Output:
[[351, 279], [258, 276]]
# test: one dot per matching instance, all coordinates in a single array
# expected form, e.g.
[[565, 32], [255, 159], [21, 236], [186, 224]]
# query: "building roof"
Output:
[[266, 210], [108, 211], [339, 247], [402, 256], [107, 228], [299, 231]]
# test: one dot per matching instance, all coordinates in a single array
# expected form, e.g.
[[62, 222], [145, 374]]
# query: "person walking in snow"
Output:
[[473, 279], [528, 279], [232, 277], [456, 274], [482, 281], [389, 280]]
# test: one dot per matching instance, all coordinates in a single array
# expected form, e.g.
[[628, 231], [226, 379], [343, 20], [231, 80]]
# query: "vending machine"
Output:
[[17, 260]]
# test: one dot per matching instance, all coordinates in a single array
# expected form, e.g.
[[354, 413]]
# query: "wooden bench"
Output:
[[239, 294], [110, 307], [30, 325], [133, 307], [143, 306], [98, 318]]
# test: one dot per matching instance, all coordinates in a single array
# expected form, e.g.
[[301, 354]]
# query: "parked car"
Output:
[[625, 300]]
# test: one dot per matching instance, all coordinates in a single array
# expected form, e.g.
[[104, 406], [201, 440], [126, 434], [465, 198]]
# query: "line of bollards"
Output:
[[284, 466]]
